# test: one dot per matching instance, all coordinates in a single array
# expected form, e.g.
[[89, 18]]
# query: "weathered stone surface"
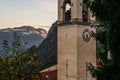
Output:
[[76, 46], [74, 53]]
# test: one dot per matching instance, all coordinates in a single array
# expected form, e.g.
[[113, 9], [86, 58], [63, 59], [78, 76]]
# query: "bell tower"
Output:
[[76, 9], [76, 41]]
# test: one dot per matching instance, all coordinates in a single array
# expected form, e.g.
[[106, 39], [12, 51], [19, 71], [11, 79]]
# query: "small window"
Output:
[[84, 13], [67, 10]]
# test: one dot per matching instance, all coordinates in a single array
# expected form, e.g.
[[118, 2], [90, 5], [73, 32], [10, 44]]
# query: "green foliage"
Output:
[[107, 12], [16, 64]]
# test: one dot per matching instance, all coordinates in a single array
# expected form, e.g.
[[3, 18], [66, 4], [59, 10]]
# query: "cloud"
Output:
[[43, 12], [49, 5], [10, 23]]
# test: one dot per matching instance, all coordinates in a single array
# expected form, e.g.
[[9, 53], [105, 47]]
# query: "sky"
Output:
[[15, 13]]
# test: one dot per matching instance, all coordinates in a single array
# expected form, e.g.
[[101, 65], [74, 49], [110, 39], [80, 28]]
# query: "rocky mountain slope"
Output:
[[38, 41], [48, 48], [28, 34]]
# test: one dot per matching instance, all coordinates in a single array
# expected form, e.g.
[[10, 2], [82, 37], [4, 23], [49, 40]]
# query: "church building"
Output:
[[76, 43]]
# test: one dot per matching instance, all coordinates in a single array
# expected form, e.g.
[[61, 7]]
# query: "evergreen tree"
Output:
[[107, 12], [17, 64]]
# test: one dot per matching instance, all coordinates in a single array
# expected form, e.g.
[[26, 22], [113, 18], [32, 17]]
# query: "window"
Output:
[[67, 10], [84, 13]]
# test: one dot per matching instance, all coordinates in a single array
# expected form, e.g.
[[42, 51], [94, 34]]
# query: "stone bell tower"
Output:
[[76, 41]]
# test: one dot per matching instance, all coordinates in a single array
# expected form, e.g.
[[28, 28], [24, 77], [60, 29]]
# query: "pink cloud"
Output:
[[47, 5]]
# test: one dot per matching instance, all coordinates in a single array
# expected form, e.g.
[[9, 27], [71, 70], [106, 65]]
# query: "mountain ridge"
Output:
[[27, 34]]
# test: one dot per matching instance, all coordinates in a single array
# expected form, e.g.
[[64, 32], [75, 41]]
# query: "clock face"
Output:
[[86, 35]]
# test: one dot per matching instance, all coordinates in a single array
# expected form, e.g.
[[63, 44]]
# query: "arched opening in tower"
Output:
[[84, 13], [67, 10]]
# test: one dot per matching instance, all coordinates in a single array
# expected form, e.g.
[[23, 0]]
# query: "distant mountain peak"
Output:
[[29, 34], [27, 30]]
